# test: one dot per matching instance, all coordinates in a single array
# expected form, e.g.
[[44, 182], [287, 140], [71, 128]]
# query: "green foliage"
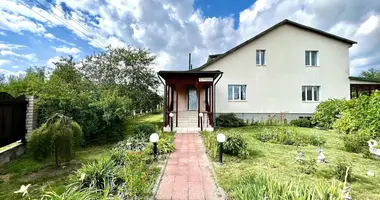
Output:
[[164, 146], [289, 136], [96, 174], [371, 74], [343, 171], [57, 137], [361, 113], [235, 145], [229, 120], [302, 122], [328, 112], [72, 192], [357, 142], [307, 166], [143, 131], [132, 144], [265, 187]]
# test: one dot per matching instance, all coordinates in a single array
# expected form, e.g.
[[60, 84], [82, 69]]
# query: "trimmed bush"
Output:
[[328, 112], [302, 122], [143, 131], [229, 120], [56, 138]]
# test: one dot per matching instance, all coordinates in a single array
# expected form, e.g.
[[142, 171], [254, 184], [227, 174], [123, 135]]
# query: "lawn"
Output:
[[278, 161], [44, 175]]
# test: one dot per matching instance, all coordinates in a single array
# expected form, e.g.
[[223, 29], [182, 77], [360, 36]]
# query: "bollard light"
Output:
[[154, 139], [201, 116], [221, 138], [171, 115]]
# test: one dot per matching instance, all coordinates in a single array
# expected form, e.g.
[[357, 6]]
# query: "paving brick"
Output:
[[187, 174]]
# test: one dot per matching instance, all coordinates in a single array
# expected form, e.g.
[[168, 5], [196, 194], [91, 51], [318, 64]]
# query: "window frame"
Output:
[[261, 51], [233, 92], [312, 93], [310, 58]]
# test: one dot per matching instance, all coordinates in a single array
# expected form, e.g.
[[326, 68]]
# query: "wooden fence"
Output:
[[12, 118]]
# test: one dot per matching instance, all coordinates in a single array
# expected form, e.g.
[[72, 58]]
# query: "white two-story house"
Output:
[[285, 71]]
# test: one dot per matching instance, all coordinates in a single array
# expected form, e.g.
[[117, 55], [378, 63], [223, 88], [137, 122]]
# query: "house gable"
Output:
[[214, 58]]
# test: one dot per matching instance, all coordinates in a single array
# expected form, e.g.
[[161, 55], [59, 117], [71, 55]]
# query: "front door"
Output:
[[192, 99]]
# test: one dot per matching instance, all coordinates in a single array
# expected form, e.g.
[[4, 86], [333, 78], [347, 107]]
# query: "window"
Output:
[[311, 58], [237, 92], [310, 93], [260, 57]]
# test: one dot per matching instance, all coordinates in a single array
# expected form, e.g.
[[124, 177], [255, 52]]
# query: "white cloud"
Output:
[[52, 37], [15, 67], [171, 28], [4, 62], [67, 50], [3, 33], [31, 56], [8, 73], [11, 46]]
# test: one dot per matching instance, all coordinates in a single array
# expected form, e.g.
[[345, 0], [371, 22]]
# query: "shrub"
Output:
[[302, 122], [132, 144], [236, 145], [143, 131], [328, 112], [164, 146], [307, 166], [57, 137], [265, 187], [289, 136], [357, 142], [229, 120], [343, 169], [72, 192], [96, 173]]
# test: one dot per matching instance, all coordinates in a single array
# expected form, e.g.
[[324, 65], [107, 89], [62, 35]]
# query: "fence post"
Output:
[[31, 116]]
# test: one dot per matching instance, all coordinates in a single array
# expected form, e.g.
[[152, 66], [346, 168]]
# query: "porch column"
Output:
[[369, 89], [176, 107], [166, 104], [212, 105], [357, 90], [199, 102]]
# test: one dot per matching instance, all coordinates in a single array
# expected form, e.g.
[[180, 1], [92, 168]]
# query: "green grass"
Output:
[[44, 175], [155, 119], [278, 161]]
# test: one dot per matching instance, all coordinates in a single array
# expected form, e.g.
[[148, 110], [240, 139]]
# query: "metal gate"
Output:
[[12, 118]]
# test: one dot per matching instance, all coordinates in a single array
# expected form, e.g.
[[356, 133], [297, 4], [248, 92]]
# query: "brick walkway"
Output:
[[187, 174]]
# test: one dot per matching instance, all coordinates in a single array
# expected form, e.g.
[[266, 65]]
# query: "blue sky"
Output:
[[171, 28]]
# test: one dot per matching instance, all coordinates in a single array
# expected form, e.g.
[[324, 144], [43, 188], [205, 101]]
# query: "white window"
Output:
[[260, 57], [311, 58], [310, 93], [237, 92]]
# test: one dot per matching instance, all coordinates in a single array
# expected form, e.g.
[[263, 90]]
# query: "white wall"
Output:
[[277, 87]]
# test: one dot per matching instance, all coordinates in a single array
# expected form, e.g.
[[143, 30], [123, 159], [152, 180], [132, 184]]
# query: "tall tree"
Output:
[[127, 68], [371, 73]]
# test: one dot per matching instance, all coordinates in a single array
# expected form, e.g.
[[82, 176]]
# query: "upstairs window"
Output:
[[260, 57], [310, 93], [237, 92], [311, 58]]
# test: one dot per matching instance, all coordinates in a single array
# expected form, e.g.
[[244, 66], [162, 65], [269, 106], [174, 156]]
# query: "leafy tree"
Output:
[[371, 73], [128, 69]]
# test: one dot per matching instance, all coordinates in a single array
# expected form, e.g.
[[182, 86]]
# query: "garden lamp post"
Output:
[[201, 116], [171, 115], [221, 138], [154, 139]]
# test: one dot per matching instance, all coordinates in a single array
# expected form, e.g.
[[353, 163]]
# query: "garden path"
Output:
[[188, 172]]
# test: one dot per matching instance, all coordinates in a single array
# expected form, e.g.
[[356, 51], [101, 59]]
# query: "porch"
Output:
[[189, 96], [363, 86]]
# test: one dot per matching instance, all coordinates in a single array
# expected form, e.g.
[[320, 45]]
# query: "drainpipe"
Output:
[[164, 108], [214, 88]]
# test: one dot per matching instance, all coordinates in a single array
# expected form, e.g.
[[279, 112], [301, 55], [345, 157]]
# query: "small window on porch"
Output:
[[237, 92]]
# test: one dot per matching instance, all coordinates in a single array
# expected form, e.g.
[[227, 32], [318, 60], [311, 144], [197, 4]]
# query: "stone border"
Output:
[[159, 178], [218, 190], [11, 153]]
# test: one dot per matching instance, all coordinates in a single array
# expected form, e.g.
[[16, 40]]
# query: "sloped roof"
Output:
[[286, 21], [355, 78]]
